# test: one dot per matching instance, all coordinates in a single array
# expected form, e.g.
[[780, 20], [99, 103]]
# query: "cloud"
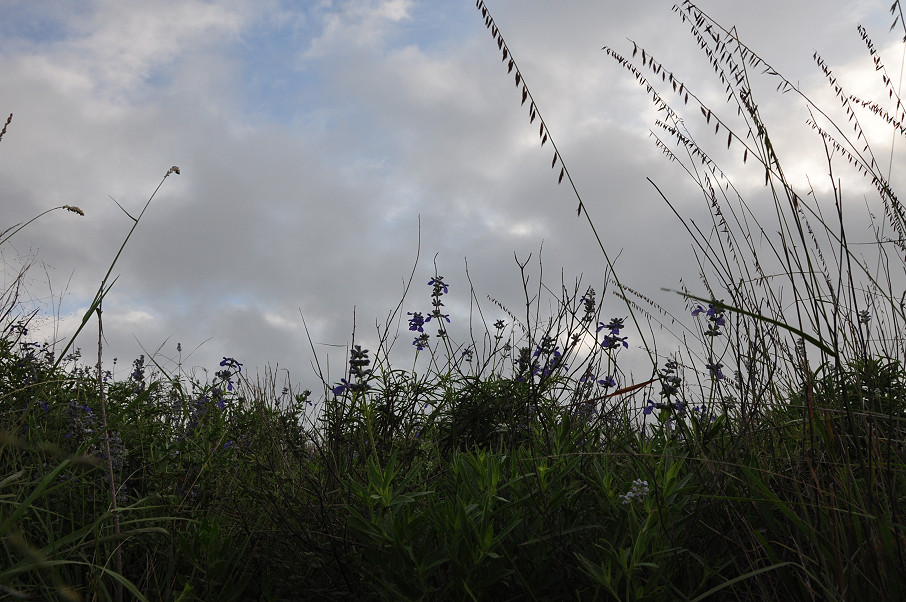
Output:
[[314, 138], [357, 26], [113, 49]]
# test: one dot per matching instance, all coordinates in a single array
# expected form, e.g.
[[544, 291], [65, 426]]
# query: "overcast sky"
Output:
[[313, 136]]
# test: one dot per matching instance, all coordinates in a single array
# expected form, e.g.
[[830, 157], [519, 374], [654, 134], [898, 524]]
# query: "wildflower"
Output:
[[547, 345], [138, 370], [715, 318], [864, 316], [499, 325], [227, 375], [670, 381], [341, 388], [467, 354], [607, 381], [117, 452], [553, 363], [421, 342], [713, 328], [649, 407], [173, 169], [670, 386], [303, 397], [614, 326], [357, 361], [231, 363], [74, 209], [440, 287], [639, 489], [524, 360], [82, 423], [549, 348], [417, 321], [712, 312], [588, 302], [612, 342], [714, 369], [438, 315], [703, 411]]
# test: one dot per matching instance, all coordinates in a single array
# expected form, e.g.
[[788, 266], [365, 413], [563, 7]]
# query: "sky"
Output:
[[329, 150]]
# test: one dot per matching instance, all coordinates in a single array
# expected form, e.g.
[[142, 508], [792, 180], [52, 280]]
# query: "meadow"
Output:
[[766, 459]]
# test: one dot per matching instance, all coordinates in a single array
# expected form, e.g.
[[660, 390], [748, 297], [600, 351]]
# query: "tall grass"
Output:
[[763, 460]]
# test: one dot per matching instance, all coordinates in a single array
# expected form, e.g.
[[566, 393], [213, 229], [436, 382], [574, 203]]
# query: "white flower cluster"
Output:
[[639, 489]]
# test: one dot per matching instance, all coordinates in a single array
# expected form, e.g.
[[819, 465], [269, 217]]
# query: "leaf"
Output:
[[510, 66], [720, 305], [738, 579], [554, 160], [543, 140], [524, 94], [562, 173], [518, 78]]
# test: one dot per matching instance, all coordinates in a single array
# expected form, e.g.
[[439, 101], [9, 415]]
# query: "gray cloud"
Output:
[[312, 141]]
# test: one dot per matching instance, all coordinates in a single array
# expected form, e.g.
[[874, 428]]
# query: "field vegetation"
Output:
[[766, 459]]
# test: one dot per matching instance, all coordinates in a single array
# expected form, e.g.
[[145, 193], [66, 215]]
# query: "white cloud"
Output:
[[358, 24], [114, 48]]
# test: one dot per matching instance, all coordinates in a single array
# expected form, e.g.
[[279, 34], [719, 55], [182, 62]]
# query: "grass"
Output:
[[763, 460]]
